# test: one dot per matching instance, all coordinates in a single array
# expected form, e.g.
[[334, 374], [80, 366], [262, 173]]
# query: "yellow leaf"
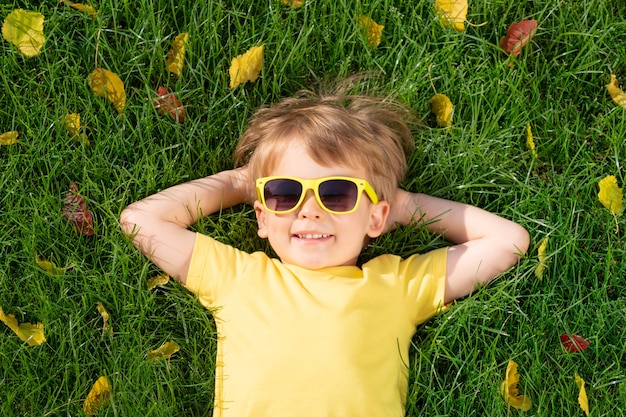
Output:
[[294, 3], [509, 389], [49, 267], [582, 394], [9, 138], [30, 333], [530, 143], [24, 29], [616, 93], [452, 13], [106, 326], [72, 124], [176, 55], [154, 282], [107, 84], [81, 7], [541, 255], [246, 67], [99, 396], [164, 352], [610, 194], [443, 109], [372, 30]]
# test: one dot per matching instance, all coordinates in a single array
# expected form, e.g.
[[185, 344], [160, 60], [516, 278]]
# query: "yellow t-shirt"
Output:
[[323, 343]]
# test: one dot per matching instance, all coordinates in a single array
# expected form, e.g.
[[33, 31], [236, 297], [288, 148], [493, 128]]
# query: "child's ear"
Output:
[[260, 219], [378, 218]]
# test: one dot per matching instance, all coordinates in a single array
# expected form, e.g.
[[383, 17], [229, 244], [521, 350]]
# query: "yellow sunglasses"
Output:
[[336, 195]]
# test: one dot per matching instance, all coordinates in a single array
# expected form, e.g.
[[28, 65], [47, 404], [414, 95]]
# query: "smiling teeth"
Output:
[[312, 236]]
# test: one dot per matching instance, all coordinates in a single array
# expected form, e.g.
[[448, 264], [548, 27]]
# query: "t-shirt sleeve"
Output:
[[213, 269], [425, 282]]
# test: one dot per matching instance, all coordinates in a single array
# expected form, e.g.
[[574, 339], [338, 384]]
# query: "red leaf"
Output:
[[75, 210], [518, 35], [574, 342], [167, 103]]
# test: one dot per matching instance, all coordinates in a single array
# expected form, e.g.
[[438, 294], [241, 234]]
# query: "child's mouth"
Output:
[[312, 236]]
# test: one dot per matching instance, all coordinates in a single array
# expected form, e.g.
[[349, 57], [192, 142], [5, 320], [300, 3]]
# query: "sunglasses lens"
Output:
[[338, 195], [282, 194]]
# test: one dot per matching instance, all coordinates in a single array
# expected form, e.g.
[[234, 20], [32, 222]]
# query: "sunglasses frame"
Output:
[[313, 184]]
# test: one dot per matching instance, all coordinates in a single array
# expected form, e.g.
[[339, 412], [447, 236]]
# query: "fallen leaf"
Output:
[[530, 143], [509, 389], [81, 7], [371, 30], [157, 281], [582, 394], [75, 210], [106, 326], [574, 343], [294, 3], [518, 35], [616, 93], [24, 29], [32, 334], [452, 13], [107, 84], [164, 352], [9, 138], [610, 194], [98, 397], [246, 67], [167, 103], [49, 267], [443, 109], [72, 124], [541, 255], [176, 55]]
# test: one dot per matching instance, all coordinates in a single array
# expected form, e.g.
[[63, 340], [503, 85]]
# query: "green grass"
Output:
[[459, 358]]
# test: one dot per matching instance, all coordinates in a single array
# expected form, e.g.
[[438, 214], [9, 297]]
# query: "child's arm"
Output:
[[485, 244], [158, 224]]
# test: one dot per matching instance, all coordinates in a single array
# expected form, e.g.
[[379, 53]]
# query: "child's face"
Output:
[[311, 237]]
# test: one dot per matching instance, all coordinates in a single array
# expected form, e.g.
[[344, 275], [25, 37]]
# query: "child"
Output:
[[312, 333]]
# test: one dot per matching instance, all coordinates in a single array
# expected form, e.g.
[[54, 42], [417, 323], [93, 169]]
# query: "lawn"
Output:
[[459, 359]]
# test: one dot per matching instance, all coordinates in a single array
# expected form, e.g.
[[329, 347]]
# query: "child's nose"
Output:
[[310, 208]]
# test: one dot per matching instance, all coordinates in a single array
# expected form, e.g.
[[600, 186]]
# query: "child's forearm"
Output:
[[485, 244], [457, 222], [158, 223], [185, 203]]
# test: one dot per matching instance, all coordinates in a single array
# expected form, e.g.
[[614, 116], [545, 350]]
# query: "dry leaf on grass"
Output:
[[443, 109], [75, 210], [518, 35], [371, 30], [24, 29], [32, 334], [176, 55], [510, 391], [452, 13], [246, 67], [98, 397], [107, 84], [168, 103], [9, 138]]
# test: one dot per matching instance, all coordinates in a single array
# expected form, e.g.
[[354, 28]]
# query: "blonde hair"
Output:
[[350, 130]]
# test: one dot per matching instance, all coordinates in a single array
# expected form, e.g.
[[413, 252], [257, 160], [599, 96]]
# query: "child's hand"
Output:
[[400, 213]]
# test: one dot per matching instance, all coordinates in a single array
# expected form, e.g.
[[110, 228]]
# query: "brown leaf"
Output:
[[168, 103], [518, 35], [574, 342], [75, 210]]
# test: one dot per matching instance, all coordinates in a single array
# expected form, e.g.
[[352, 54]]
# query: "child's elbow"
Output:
[[128, 220], [521, 239]]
